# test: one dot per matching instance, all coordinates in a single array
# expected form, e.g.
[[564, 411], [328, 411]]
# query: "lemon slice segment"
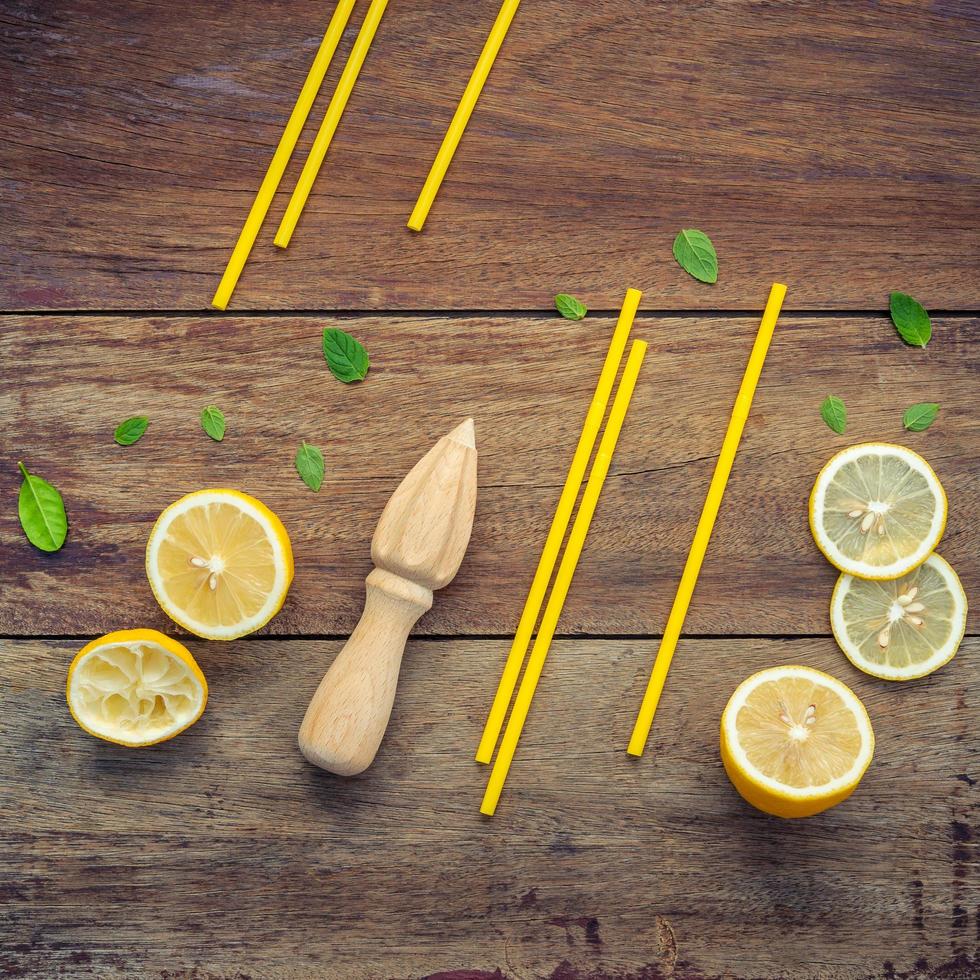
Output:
[[901, 629], [219, 563], [795, 741], [877, 510], [135, 688]]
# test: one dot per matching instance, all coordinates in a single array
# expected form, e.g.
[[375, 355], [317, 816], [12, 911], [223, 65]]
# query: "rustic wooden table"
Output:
[[831, 146]]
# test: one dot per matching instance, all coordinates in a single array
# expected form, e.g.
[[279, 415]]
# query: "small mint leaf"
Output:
[[834, 412], [346, 357], [213, 422], [131, 430], [918, 418], [696, 255], [309, 465], [569, 307], [910, 319]]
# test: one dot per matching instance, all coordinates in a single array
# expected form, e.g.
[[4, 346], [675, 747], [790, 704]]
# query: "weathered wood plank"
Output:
[[222, 853], [527, 383], [811, 140]]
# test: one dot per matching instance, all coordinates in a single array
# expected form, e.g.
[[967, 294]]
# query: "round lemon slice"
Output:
[[877, 510], [902, 629], [219, 563], [795, 741], [135, 688]]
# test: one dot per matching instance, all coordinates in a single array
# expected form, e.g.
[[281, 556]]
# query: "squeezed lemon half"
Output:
[[795, 741], [135, 688], [877, 510], [904, 628], [219, 563]]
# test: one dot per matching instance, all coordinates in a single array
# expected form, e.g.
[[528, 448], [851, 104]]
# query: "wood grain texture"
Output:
[[527, 383], [831, 146], [223, 854]]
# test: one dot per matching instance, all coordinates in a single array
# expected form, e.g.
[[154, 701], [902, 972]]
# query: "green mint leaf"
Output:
[[919, 417], [834, 412], [347, 359], [910, 319], [569, 307], [42, 512], [696, 255], [131, 430], [309, 465], [213, 422]]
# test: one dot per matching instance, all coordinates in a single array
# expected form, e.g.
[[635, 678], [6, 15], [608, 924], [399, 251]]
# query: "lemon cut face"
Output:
[[904, 628], [219, 563], [135, 688], [877, 510], [795, 741]]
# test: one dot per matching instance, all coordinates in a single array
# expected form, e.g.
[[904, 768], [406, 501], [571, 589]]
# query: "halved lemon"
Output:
[[877, 510], [901, 629], [795, 741], [219, 563], [135, 688]]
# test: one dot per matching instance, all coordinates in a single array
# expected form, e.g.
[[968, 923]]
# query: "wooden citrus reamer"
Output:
[[418, 546]]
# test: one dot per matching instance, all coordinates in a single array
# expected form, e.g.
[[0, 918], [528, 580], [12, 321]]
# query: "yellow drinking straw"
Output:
[[463, 112], [689, 579], [287, 142], [559, 524], [563, 580], [330, 122]]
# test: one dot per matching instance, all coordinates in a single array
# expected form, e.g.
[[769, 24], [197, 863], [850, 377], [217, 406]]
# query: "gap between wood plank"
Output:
[[475, 637], [351, 314]]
